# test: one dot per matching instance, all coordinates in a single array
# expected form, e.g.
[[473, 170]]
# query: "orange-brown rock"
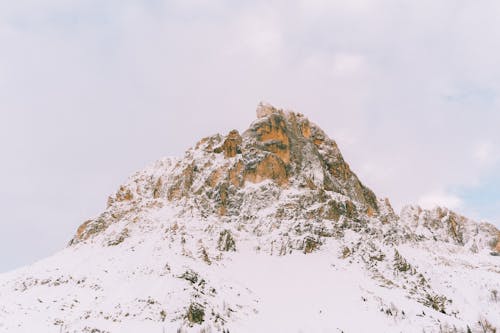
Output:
[[214, 178], [183, 184], [318, 141], [340, 170], [453, 222], [208, 143], [270, 167], [273, 135], [280, 146], [124, 194], [235, 174], [350, 209], [201, 142], [497, 248], [223, 199], [274, 130], [292, 138], [390, 214], [305, 129], [110, 201], [232, 144], [81, 229], [370, 211], [157, 189]]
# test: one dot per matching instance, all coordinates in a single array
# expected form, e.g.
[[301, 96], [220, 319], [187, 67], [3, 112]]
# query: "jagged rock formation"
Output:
[[282, 152], [179, 243], [444, 225]]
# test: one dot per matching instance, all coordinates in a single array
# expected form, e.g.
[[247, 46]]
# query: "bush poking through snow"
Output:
[[163, 315], [190, 276], [310, 245], [436, 302], [346, 252], [196, 313], [485, 326], [400, 263], [495, 297], [226, 241], [204, 254], [121, 237], [445, 328]]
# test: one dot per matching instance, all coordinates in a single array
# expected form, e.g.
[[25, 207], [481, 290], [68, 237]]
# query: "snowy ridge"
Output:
[[267, 231]]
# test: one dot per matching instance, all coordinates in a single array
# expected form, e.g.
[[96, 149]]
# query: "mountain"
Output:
[[264, 231]]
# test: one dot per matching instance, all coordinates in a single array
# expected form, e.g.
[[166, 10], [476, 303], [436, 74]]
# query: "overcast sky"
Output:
[[93, 90]]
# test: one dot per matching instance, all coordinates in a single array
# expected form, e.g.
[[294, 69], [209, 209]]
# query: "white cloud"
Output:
[[261, 34], [345, 63], [441, 199], [485, 153]]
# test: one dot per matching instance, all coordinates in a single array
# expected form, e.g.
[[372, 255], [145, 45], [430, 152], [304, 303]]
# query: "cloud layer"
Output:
[[92, 90]]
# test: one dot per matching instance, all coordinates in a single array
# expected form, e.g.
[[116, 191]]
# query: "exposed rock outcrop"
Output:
[[231, 145], [185, 244], [280, 151], [282, 173], [444, 225]]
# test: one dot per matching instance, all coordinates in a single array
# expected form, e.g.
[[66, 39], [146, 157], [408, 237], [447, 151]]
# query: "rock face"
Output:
[[288, 169], [187, 245], [232, 144], [281, 151], [444, 225], [265, 109], [282, 169]]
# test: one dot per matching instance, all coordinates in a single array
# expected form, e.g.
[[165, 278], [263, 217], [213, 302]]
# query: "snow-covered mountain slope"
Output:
[[267, 231]]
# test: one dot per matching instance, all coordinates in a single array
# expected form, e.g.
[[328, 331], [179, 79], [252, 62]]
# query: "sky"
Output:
[[93, 90]]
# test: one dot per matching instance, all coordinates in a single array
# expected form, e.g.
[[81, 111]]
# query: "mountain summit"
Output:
[[299, 173], [268, 230]]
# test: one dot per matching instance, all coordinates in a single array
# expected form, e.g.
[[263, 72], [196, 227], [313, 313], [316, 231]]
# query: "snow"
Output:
[[125, 288], [151, 260]]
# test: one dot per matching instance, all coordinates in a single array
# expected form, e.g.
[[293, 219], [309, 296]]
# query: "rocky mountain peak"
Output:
[[219, 240], [445, 225], [286, 180], [290, 159], [265, 109], [287, 148]]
